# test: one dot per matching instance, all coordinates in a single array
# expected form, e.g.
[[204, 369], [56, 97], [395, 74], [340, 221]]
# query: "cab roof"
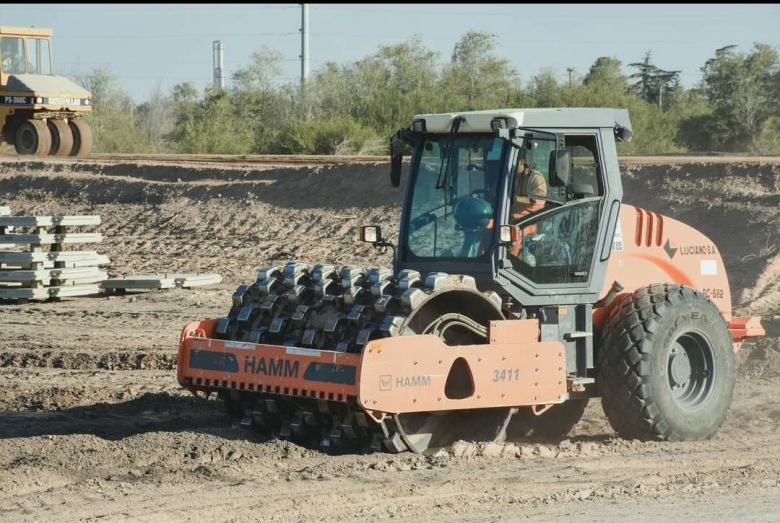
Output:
[[537, 118], [24, 31]]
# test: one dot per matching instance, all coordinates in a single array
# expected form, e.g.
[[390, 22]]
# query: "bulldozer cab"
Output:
[[24, 51], [467, 179]]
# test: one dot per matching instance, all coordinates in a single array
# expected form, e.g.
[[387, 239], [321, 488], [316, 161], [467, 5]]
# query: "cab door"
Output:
[[558, 248]]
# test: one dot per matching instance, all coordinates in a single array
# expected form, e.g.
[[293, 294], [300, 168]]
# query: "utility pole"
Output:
[[570, 70], [219, 64], [304, 43]]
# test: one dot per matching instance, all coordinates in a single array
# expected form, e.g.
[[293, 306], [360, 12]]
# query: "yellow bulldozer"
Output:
[[40, 112]]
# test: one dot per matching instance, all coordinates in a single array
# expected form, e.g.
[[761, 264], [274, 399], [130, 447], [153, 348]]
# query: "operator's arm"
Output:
[[526, 205]]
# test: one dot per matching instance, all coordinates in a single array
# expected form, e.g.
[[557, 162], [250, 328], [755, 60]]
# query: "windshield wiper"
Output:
[[444, 167]]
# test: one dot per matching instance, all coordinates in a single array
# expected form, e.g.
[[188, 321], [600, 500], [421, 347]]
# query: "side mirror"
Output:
[[508, 234], [559, 168], [623, 134], [370, 234], [396, 161]]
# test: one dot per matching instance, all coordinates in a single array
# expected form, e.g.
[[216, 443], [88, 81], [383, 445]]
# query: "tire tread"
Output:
[[624, 362]]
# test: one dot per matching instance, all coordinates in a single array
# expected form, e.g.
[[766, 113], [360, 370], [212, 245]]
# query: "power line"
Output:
[[98, 9], [480, 12], [170, 35], [428, 36]]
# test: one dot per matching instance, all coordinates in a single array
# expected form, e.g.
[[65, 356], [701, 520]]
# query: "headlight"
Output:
[[498, 123], [86, 102], [39, 100], [370, 234]]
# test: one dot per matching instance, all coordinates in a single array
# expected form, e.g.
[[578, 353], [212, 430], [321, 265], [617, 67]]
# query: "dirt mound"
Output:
[[236, 218], [155, 218]]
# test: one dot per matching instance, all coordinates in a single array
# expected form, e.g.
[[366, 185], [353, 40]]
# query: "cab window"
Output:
[[557, 246], [38, 56], [12, 54], [584, 170]]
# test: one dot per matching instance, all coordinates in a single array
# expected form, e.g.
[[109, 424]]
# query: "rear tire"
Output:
[[552, 425], [666, 367], [61, 138], [33, 138], [82, 137]]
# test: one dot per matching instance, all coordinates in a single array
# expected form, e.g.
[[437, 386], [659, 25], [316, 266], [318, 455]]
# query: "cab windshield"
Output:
[[20, 55], [455, 181]]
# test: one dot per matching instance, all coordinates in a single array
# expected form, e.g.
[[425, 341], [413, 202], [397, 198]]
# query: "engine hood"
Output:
[[41, 84]]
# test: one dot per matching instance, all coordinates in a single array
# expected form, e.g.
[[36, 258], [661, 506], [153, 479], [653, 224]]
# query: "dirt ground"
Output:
[[93, 426]]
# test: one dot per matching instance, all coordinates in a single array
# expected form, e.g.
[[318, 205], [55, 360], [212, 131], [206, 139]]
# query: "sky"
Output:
[[161, 45]]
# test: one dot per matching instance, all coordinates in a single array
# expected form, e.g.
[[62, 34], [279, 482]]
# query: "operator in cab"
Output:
[[528, 183]]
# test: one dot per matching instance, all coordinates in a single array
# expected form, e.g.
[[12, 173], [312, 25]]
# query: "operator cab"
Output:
[[465, 183], [25, 51]]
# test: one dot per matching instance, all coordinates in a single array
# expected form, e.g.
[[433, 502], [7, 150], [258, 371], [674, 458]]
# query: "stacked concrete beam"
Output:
[[5, 211], [40, 267], [159, 281]]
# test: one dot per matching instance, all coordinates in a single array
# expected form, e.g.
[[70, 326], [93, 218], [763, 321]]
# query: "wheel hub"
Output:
[[681, 365], [691, 370], [27, 139]]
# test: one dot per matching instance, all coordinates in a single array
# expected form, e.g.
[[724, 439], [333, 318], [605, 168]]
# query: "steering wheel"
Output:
[[551, 251]]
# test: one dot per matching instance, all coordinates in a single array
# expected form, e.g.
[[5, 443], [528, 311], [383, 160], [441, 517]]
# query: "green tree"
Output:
[[743, 90], [211, 126], [335, 135], [394, 83], [656, 86], [544, 91], [694, 119], [185, 93], [261, 106], [477, 79], [330, 92], [604, 86], [607, 74], [155, 119], [112, 119], [262, 72]]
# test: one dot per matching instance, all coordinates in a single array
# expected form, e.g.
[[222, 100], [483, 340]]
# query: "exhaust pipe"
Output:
[[616, 289]]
